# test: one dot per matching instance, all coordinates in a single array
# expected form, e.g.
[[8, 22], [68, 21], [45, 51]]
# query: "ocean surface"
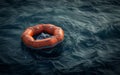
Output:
[[91, 44]]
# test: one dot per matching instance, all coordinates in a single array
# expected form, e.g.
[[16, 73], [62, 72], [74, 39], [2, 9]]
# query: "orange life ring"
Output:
[[57, 32]]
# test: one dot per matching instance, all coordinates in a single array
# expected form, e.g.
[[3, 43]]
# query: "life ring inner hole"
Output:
[[42, 35]]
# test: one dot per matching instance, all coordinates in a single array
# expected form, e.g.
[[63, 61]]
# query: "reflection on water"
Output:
[[91, 44]]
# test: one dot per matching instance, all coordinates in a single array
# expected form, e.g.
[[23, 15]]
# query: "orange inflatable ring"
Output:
[[28, 40]]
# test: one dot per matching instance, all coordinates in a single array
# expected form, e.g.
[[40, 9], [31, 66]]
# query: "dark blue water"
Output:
[[92, 37]]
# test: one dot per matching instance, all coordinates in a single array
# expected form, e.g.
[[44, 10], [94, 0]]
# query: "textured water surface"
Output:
[[92, 37]]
